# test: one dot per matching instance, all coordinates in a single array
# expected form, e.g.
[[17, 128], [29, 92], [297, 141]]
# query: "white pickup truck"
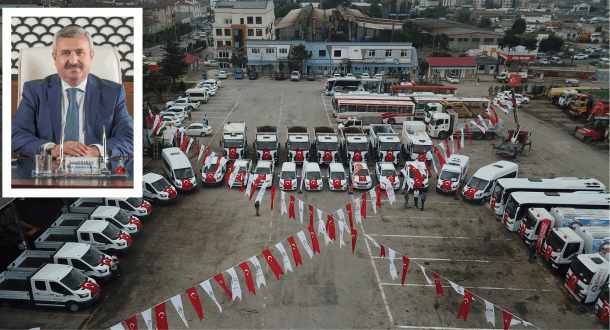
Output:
[[116, 216], [133, 205], [183, 101], [49, 285], [101, 234]]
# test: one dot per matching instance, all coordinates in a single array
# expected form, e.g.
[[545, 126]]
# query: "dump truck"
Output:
[[475, 107], [559, 217], [266, 143], [234, 140], [354, 145], [444, 124], [415, 140], [582, 104], [384, 143], [298, 144], [563, 244], [555, 93], [326, 144], [116, 216]]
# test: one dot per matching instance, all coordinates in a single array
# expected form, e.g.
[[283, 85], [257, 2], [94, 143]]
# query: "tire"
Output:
[[477, 135], [203, 134], [488, 136], [587, 139], [73, 306], [391, 121], [443, 135]]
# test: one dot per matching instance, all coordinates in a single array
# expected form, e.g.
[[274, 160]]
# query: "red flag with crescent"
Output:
[[389, 156], [493, 203], [229, 171], [186, 184], [471, 191], [437, 283], [522, 229], [291, 208], [266, 155], [256, 183], [296, 255], [348, 207], [357, 169], [514, 80], [330, 227], [605, 312], [405, 267], [207, 153], [422, 158], [275, 267], [161, 316], [572, 282], [232, 153], [465, 308], [132, 322], [363, 207], [447, 144], [457, 139], [440, 157], [194, 297], [378, 191], [328, 156], [357, 156], [547, 252], [468, 133], [243, 180], [354, 237], [382, 254], [272, 196], [310, 216], [299, 156], [507, 318], [94, 288], [248, 274], [221, 281], [314, 239]]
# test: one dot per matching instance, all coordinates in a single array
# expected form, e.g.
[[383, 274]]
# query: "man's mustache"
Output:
[[70, 66]]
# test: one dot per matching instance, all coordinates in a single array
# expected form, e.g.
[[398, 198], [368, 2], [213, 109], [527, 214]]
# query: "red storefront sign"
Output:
[[517, 57]]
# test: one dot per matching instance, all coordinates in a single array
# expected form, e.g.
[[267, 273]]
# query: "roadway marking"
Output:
[[329, 123], [281, 105], [409, 217], [99, 304], [449, 237], [219, 126], [472, 287]]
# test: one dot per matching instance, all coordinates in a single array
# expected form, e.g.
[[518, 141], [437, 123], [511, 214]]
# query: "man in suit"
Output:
[[82, 102]]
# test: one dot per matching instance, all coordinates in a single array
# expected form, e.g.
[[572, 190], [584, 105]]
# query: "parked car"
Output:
[[196, 129], [579, 57], [183, 101], [253, 75], [279, 76], [378, 76], [544, 61], [556, 60], [295, 76], [222, 75], [179, 111], [595, 55], [365, 76], [311, 76], [210, 63], [453, 79], [239, 73], [522, 99], [336, 75], [350, 75], [265, 169], [172, 118]]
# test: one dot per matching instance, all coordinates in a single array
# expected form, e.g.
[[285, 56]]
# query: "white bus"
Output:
[[390, 111], [504, 187], [352, 84], [518, 202]]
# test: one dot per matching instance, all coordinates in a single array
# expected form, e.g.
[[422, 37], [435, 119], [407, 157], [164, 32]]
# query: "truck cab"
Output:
[[385, 143], [354, 145], [288, 176], [587, 276], [100, 234], [118, 217], [298, 144], [559, 217], [234, 140], [415, 140], [453, 174], [157, 189], [133, 205], [266, 143], [562, 245], [326, 145]]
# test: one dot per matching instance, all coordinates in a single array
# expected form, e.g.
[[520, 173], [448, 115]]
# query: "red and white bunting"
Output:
[[363, 207], [310, 215], [118, 326], [261, 193], [354, 238], [132, 323], [429, 156], [301, 206], [200, 150], [373, 241], [207, 287], [303, 239], [322, 228], [452, 148], [392, 266], [465, 308], [220, 279], [389, 190], [235, 287], [283, 203], [440, 158], [195, 301], [296, 254], [257, 181], [358, 212], [437, 283], [260, 277], [275, 267], [405, 268], [205, 156], [161, 317], [177, 302], [207, 159], [272, 196], [377, 201], [342, 226], [490, 313], [508, 317], [158, 124], [220, 163], [330, 227], [188, 145], [459, 289], [423, 270], [291, 208], [314, 240], [447, 144], [287, 265], [248, 275], [147, 316], [482, 121], [348, 207]]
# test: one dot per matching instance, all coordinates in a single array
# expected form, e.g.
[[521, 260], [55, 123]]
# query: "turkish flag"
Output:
[[243, 180], [405, 267], [522, 230], [126, 237], [547, 252], [457, 138], [310, 216], [330, 227], [493, 203], [468, 133], [336, 184], [573, 282], [266, 155], [132, 322], [186, 184], [314, 240], [382, 254], [389, 156], [229, 171], [105, 261], [470, 193], [248, 274], [291, 208], [170, 191], [161, 317], [378, 190], [146, 205], [447, 144], [446, 185], [313, 184], [357, 156], [207, 153], [209, 177], [272, 196], [287, 184], [465, 308], [94, 288], [299, 156], [328, 156], [275, 267], [440, 157], [507, 318], [605, 312], [363, 207], [439, 286], [221, 281], [296, 255], [354, 237], [194, 297], [514, 80], [505, 217], [256, 183], [136, 222], [232, 153]]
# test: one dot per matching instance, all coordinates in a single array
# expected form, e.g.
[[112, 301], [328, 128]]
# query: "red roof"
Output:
[[190, 58], [154, 67], [451, 62]]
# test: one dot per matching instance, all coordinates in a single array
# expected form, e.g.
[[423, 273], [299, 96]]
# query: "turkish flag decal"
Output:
[[389, 156], [354, 237], [465, 308], [186, 184], [330, 227], [505, 217], [493, 203], [105, 261], [232, 153], [572, 282], [328, 156], [94, 288], [446, 185], [357, 156], [287, 184], [605, 312], [313, 184], [405, 267], [126, 237], [209, 177], [522, 230], [547, 252], [507, 318], [147, 206], [248, 274], [299, 156], [161, 316], [136, 222], [291, 208], [470, 192], [336, 184], [275, 267], [194, 297], [296, 255], [437, 283], [266, 155], [170, 191]]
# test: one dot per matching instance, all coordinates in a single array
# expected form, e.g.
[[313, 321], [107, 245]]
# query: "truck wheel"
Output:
[[488, 136], [391, 121], [587, 139], [443, 135], [73, 306], [478, 135]]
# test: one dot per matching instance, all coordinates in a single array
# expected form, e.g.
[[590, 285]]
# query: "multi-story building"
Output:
[[238, 22], [507, 3], [478, 4], [162, 12], [335, 57], [187, 11], [151, 26]]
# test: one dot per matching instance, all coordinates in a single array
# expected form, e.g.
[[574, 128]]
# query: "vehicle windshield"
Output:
[[529, 220], [511, 206], [267, 145], [387, 172], [391, 146], [477, 183], [288, 175], [421, 149], [111, 231], [554, 241], [184, 173], [449, 176], [233, 143], [497, 193], [263, 170], [328, 146], [210, 169], [313, 175], [337, 175], [135, 202], [73, 279], [92, 257], [299, 146], [239, 169], [364, 171], [357, 146], [160, 184], [422, 172], [584, 274], [122, 217]]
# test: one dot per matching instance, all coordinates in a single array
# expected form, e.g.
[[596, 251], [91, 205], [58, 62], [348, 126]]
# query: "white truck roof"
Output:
[[93, 226], [414, 126], [151, 177], [594, 261], [492, 171], [299, 137], [289, 166], [272, 137], [176, 157], [336, 167], [52, 272], [455, 162], [72, 250], [105, 211], [327, 138], [234, 127]]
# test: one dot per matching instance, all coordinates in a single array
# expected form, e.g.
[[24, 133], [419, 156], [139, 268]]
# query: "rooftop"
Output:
[[466, 62], [242, 4], [434, 26]]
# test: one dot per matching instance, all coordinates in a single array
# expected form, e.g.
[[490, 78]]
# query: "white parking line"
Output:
[[327, 116], [410, 217], [472, 287], [449, 237]]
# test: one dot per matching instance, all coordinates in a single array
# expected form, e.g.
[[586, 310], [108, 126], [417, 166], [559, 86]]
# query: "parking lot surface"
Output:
[[212, 229]]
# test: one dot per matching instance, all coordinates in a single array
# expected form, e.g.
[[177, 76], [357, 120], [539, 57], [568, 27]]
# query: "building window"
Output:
[[223, 54], [227, 43], [156, 17], [223, 65], [476, 39], [322, 53], [218, 44], [337, 53], [270, 50], [283, 50], [357, 68], [259, 20], [241, 21], [404, 53], [488, 40], [259, 32], [250, 32], [228, 32], [250, 20], [371, 53], [450, 39], [256, 51], [388, 53], [219, 32]]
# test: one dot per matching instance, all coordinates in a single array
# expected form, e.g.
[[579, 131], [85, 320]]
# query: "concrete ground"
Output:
[[212, 229]]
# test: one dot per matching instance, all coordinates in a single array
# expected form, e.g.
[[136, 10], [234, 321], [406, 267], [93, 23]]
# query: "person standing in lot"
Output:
[[533, 248], [115, 268], [423, 199], [257, 205], [188, 112], [416, 196], [206, 120], [407, 198], [477, 82]]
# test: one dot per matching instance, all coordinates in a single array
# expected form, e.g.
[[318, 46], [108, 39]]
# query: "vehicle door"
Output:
[[99, 241], [40, 290], [148, 190], [59, 293], [83, 267], [126, 206]]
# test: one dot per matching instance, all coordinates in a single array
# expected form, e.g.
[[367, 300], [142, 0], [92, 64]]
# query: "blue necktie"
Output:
[[71, 132]]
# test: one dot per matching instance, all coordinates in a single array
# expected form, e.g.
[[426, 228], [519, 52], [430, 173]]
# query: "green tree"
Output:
[[300, 54], [235, 61], [374, 9], [281, 66], [518, 26], [443, 53], [463, 15], [529, 43], [509, 41], [423, 65], [489, 4], [441, 41], [156, 82], [173, 62], [485, 22], [551, 44]]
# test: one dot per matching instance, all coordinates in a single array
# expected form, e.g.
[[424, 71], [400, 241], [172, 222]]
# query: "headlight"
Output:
[[121, 243], [179, 184], [163, 194], [102, 271], [84, 295]]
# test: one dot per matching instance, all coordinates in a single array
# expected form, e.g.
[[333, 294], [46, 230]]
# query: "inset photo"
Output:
[[72, 86]]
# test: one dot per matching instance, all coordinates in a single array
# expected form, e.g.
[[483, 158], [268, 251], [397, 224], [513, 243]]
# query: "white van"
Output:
[[336, 177], [178, 169], [313, 177], [198, 94], [480, 184], [156, 189], [448, 179], [288, 176], [604, 61]]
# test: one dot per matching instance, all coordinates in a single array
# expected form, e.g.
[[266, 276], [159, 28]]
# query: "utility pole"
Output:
[[574, 52]]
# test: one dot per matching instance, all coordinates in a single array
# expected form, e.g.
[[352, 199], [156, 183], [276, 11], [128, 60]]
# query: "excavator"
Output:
[[517, 139]]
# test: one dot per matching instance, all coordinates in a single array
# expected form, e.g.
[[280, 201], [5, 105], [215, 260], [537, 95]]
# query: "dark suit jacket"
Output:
[[38, 119]]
